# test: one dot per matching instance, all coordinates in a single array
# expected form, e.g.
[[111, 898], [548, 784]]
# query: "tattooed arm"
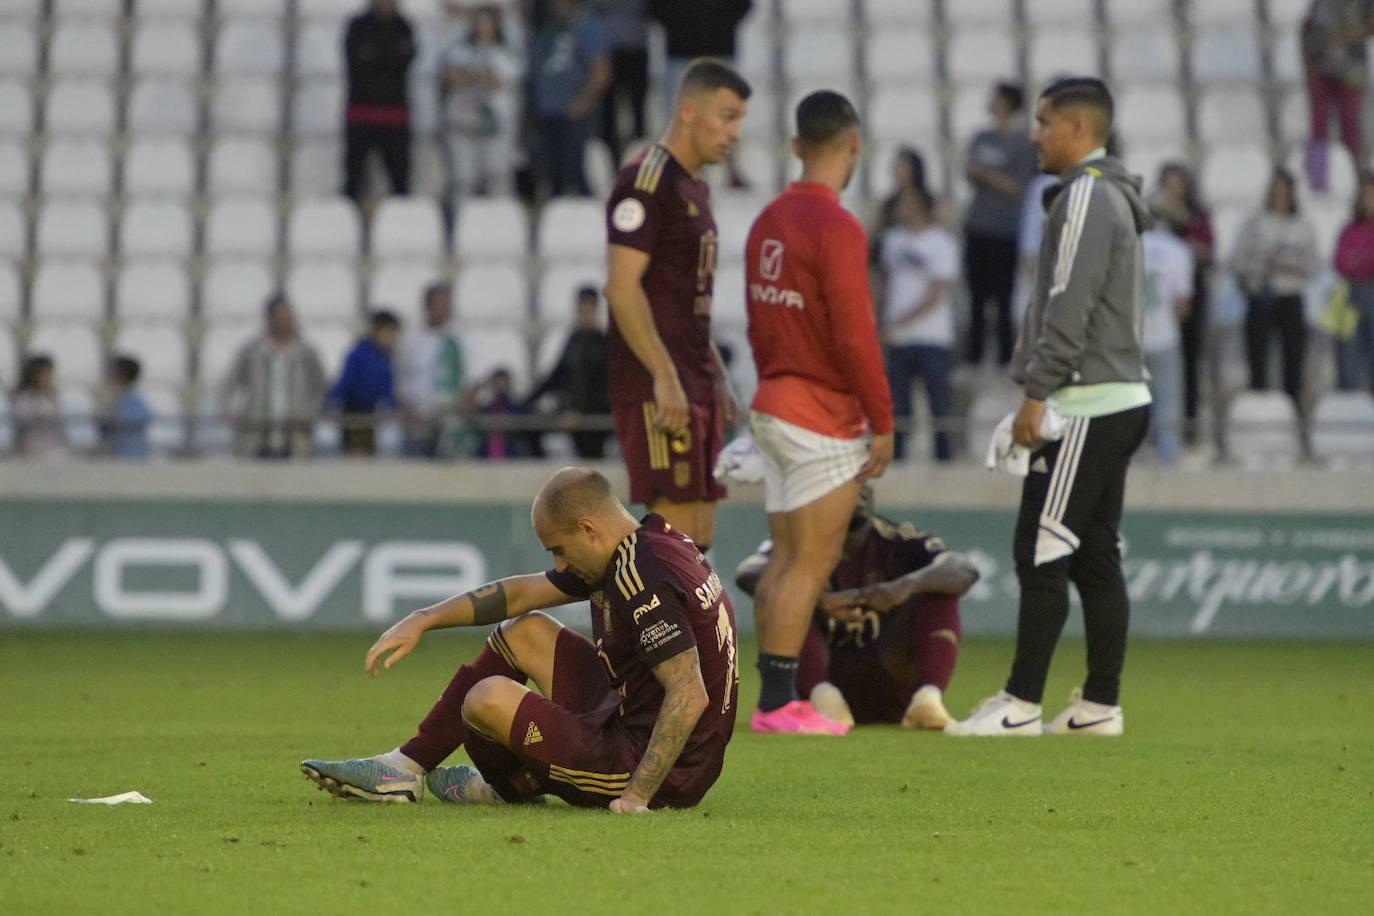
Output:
[[491, 603], [684, 700]]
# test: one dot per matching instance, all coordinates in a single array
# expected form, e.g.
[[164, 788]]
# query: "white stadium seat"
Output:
[[72, 227], [79, 106], [323, 290], [159, 165], [18, 48], [1343, 425], [981, 55], [317, 107], [572, 228], [1063, 49], [980, 12], [1147, 53], [161, 348], [1222, 12], [734, 217], [324, 226], [900, 54], [153, 291], [399, 283], [156, 227], [258, 7], [80, 46], [1262, 429], [332, 343], [14, 169], [68, 289], [249, 47], [162, 106], [167, 432], [16, 109], [488, 228], [968, 114], [12, 232], [486, 349], [1063, 12], [239, 164], [319, 48], [1236, 173], [245, 104], [815, 11], [74, 347], [88, 9], [558, 285], [492, 295], [408, 227], [1151, 113], [818, 53], [236, 288], [1287, 59], [175, 8], [76, 399], [1286, 16], [1158, 12], [9, 375], [9, 296], [728, 306], [1233, 114], [547, 349], [165, 47], [316, 168], [1228, 54], [219, 347], [885, 12], [754, 49], [241, 226]]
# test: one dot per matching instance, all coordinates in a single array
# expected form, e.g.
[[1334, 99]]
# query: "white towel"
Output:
[[739, 462], [1004, 454]]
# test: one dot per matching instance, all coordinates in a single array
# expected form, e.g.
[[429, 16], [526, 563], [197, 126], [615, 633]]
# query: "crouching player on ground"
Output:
[[637, 719], [885, 636]]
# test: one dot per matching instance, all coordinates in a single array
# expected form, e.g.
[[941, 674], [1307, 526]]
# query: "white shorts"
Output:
[[801, 466]]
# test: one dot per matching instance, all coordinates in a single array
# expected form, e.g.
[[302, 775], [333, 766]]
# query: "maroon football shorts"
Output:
[[677, 467]]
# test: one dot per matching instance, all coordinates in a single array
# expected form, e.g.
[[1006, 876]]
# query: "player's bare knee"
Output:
[[531, 632], [488, 698]]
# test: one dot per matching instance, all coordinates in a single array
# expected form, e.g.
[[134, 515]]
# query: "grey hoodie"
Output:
[[1083, 325]]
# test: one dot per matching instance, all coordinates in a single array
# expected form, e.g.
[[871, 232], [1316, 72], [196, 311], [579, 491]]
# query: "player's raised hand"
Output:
[[670, 404], [399, 639], [845, 606], [879, 456], [629, 804]]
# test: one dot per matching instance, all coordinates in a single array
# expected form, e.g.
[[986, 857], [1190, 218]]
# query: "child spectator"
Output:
[[37, 414], [125, 417], [366, 385]]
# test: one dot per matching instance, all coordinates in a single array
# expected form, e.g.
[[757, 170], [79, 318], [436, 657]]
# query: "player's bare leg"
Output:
[[807, 543], [695, 519]]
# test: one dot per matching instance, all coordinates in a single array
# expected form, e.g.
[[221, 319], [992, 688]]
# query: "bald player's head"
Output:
[[580, 521], [574, 493]]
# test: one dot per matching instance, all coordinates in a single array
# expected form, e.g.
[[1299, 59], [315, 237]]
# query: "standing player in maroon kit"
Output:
[[821, 389], [637, 719], [669, 392]]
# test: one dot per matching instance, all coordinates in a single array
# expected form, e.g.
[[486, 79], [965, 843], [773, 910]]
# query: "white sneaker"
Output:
[[830, 702], [927, 710], [1084, 717], [1002, 714]]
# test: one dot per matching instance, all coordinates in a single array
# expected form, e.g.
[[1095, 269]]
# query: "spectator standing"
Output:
[[37, 414], [1168, 275], [569, 71], [908, 171], [494, 397], [1275, 257], [581, 377], [1334, 53], [920, 264], [1355, 263], [627, 33], [1177, 202], [125, 418], [1001, 163], [430, 378], [273, 391], [379, 47], [482, 74], [366, 384]]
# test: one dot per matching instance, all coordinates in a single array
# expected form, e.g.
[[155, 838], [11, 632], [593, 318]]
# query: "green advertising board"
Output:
[[237, 565]]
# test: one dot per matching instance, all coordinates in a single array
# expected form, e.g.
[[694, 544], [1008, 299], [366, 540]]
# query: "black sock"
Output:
[[778, 674]]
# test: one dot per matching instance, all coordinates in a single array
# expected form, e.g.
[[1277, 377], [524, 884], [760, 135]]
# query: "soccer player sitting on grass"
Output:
[[885, 635], [637, 719]]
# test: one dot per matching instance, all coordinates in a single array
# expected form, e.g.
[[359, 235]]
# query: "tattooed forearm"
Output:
[[684, 700]]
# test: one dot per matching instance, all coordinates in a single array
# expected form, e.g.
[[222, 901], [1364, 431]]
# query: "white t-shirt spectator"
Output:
[[1168, 278], [912, 260]]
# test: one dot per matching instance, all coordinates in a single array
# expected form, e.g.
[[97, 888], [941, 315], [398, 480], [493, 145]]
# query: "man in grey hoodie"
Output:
[[1079, 351]]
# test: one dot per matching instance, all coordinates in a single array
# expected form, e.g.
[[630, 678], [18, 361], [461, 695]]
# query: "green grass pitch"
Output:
[[1245, 783]]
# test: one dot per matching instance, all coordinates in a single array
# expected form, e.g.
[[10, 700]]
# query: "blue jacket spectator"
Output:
[[569, 70], [366, 384], [124, 421]]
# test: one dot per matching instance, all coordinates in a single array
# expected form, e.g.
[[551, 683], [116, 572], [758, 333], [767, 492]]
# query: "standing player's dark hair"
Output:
[[706, 74], [384, 318], [822, 116], [1012, 94], [1086, 92], [126, 369]]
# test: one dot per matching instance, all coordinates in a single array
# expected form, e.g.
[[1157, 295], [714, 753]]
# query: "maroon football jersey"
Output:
[[660, 597], [657, 207], [891, 550]]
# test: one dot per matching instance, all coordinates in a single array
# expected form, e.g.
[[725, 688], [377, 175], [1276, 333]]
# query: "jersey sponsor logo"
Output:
[[628, 215], [708, 592], [772, 295], [646, 608], [770, 259], [532, 735], [659, 634]]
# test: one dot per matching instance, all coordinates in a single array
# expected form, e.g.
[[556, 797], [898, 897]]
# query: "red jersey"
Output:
[[811, 321], [657, 207], [660, 597]]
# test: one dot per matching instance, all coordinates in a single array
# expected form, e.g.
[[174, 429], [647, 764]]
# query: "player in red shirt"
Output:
[[821, 388], [669, 393], [636, 719], [884, 637]]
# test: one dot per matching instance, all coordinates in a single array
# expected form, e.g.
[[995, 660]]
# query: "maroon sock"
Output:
[[442, 732], [811, 664], [936, 636], [503, 770]]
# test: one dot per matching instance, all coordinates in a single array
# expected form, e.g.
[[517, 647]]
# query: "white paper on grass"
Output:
[[123, 798]]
